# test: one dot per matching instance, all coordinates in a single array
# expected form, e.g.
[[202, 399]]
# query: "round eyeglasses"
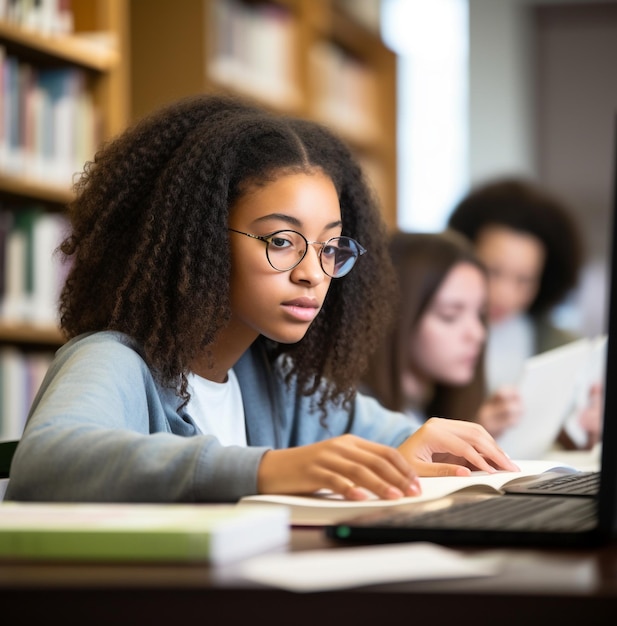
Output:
[[286, 248]]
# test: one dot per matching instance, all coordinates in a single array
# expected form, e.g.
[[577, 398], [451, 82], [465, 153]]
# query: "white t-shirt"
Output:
[[217, 408], [510, 343]]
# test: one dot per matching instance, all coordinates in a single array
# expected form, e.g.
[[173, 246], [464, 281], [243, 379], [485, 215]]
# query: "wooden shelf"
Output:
[[96, 51], [30, 334], [31, 188]]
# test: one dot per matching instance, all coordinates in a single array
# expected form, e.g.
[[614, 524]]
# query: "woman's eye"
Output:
[[447, 317], [329, 251], [280, 242]]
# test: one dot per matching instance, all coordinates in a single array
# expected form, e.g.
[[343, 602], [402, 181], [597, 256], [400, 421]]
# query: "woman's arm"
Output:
[[101, 430]]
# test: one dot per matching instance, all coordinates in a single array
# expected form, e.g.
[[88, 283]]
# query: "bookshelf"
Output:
[[63, 90], [305, 57]]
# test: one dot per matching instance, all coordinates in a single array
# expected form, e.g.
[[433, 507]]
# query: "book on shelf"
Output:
[[42, 16], [324, 507], [32, 273], [254, 50], [49, 121], [21, 375], [346, 91], [200, 533]]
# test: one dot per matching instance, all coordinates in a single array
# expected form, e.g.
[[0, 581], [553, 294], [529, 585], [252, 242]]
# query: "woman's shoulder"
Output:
[[109, 339], [117, 349]]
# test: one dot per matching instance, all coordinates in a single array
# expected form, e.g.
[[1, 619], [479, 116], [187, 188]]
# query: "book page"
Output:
[[592, 375], [548, 390]]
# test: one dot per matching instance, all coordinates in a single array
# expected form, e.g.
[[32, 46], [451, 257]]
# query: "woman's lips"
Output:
[[303, 309], [497, 314]]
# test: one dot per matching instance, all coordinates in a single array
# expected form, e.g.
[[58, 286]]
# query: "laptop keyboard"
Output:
[[580, 484], [497, 513]]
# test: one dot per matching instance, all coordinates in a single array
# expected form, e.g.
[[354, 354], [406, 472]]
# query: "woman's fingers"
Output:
[[347, 465], [380, 469], [465, 444]]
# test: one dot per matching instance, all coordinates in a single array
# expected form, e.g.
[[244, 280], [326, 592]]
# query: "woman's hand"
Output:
[[591, 416], [501, 411], [589, 421], [347, 465], [450, 447]]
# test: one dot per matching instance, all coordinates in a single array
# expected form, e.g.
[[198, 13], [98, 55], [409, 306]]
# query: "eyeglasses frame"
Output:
[[268, 238]]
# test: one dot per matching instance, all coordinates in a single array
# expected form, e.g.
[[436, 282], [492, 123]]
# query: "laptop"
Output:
[[537, 518]]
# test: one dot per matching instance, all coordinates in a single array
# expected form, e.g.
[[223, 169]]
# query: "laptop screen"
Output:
[[608, 484]]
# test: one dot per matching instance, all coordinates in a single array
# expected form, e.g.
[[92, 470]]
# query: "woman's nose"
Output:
[[309, 269], [477, 330]]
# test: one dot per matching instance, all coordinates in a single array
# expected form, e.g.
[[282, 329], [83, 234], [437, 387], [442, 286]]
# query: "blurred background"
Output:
[[509, 87]]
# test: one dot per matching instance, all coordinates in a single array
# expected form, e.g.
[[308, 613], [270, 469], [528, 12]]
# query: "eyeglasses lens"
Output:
[[287, 248]]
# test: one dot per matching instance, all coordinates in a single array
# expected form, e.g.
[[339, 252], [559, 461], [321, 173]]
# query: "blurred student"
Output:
[[532, 247], [431, 362]]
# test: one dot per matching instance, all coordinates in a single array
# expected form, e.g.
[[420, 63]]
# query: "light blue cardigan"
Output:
[[102, 429]]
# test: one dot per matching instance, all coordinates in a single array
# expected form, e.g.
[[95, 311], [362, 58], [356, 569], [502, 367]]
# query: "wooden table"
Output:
[[536, 587]]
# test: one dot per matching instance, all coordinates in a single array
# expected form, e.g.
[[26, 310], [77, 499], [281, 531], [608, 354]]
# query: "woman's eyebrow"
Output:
[[450, 304], [293, 221]]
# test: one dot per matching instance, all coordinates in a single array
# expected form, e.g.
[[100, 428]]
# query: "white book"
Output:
[[15, 298], [48, 231]]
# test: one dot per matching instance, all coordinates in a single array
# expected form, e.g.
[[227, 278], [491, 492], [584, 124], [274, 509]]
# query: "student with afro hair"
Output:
[[229, 277]]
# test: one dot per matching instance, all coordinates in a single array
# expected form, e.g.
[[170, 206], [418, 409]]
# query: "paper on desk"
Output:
[[322, 570]]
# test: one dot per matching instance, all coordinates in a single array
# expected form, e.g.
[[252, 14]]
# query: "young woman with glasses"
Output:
[[229, 277]]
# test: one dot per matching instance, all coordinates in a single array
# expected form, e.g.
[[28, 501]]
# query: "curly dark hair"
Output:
[[422, 262], [526, 207], [149, 247]]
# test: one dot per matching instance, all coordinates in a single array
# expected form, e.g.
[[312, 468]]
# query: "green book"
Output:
[[206, 533]]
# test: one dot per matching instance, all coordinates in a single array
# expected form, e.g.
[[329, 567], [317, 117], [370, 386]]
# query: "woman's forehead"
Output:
[[300, 198]]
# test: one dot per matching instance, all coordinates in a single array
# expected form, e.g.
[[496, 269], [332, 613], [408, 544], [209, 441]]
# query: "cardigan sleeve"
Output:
[[101, 430]]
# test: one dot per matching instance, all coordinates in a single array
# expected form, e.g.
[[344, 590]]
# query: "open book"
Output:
[[324, 507]]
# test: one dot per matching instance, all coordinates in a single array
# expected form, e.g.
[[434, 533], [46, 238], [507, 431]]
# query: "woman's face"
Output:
[[280, 304], [450, 335], [515, 262]]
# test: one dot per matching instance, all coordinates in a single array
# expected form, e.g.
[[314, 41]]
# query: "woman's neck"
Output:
[[223, 353], [417, 391]]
